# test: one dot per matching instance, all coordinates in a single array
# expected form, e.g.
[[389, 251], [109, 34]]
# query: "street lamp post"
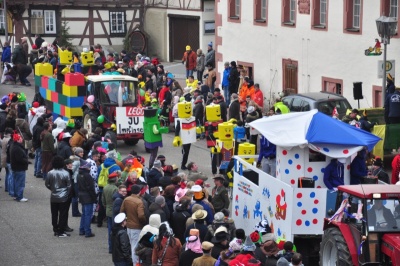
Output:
[[387, 27]]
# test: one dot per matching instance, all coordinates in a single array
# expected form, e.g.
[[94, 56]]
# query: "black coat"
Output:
[[216, 250], [18, 157], [223, 108], [201, 226], [179, 218], [3, 117], [37, 130], [153, 177], [198, 112], [234, 79], [87, 193], [121, 247], [117, 202], [64, 149], [156, 209], [234, 110], [187, 257]]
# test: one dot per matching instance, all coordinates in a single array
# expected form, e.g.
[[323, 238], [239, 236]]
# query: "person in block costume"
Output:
[[225, 142], [213, 118], [185, 130], [152, 133]]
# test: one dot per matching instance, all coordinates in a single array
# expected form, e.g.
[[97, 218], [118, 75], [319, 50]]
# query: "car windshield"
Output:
[[328, 106], [383, 215], [112, 91]]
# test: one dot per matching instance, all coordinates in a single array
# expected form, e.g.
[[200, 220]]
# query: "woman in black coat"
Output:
[[179, 218]]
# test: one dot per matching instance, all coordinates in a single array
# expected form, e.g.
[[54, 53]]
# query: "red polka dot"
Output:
[[348, 167], [316, 201], [284, 152], [303, 212], [318, 148], [298, 167], [299, 195], [318, 186], [292, 181], [299, 222], [314, 221], [309, 169], [346, 151]]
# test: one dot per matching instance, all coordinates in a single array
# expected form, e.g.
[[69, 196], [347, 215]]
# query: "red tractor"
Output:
[[366, 228]]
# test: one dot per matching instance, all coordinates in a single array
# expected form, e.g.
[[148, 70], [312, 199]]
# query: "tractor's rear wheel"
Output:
[[131, 142], [334, 250]]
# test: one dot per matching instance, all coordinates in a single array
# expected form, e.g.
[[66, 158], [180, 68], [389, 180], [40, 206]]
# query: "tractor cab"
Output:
[[365, 230]]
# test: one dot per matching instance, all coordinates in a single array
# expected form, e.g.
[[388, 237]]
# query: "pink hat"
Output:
[[180, 193], [193, 243]]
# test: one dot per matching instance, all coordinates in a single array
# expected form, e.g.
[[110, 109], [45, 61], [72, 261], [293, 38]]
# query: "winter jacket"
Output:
[[37, 131], [392, 105], [334, 174], [234, 80], [234, 110], [111, 164], [4, 143], [220, 200], [154, 208], [47, 141], [198, 112], [225, 77], [10, 122], [63, 149], [198, 224], [258, 98], [223, 109], [92, 139], [18, 157], [86, 188], [23, 127], [239, 133], [77, 139], [59, 183], [6, 55], [200, 62], [210, 58], [19, 56], [189, 59], [171, 257], [188, 256], [144, 253], [216, 250], [365, 124], [153, 177], [121, 247], [117, 202], [194, 175], [134, 209], [179, 218], [3, 118], [267, 149], [107, 197]]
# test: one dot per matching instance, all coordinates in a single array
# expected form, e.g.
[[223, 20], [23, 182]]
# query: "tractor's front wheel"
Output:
[[334, 250]]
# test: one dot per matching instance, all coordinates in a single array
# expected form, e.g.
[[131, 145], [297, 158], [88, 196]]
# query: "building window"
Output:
[[260, 12], [320, 14], [289, 12], [117, 23], [43, 21], [209, 27], [2, 20], [356, 13], [390, 8], [353, 16], [234, 10]]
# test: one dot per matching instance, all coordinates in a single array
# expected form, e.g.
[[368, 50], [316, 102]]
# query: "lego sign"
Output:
[[129, 120]]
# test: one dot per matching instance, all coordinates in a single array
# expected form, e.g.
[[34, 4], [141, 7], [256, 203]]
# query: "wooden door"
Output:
[[184, 30]]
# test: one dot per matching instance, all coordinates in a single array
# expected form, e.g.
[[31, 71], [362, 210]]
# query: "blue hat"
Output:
[[210, 44], [170, 75]]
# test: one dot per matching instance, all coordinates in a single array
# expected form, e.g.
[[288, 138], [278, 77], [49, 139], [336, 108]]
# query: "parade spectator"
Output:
[[9, 182], [220, 241], [37, 146], [210, 56], [155, 174], [200, 64], [87, 196], [11, 117], [234, 78], [334, 174], [198, 217], [192, 251], [189, 60], [167, 248], [59, 183], [271, 251], [211, 77], [379, 172], [220, 198], [121, 252], [234, 107], [297, 260], [251, 116], [157, 208], [47, 144], [78, 138], [136, 219], [194, 173], [179, 218], [191, 83], [118, 198], [6, 54], [225, 82], [258, 97], [19, 165], [176, 89], [38, 40], [221, 220], [206, 259], [107, 199], [358, 168]]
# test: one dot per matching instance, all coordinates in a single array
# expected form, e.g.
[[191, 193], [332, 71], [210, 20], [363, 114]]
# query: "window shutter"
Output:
[[37, 25]]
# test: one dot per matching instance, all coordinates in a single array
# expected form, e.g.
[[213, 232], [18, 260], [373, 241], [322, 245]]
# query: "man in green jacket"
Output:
[[107, 200]]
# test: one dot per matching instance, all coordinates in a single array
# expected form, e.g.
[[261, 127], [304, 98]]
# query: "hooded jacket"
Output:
[[117, 202], [107, 197], [18, 157], [334, 174], [22, 126], [179, 218], [152, 227], [63, 149], [157, 209], [86, 188], [77, 139]]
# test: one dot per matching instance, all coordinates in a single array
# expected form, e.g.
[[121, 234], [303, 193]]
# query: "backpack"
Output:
[[103, 176]]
